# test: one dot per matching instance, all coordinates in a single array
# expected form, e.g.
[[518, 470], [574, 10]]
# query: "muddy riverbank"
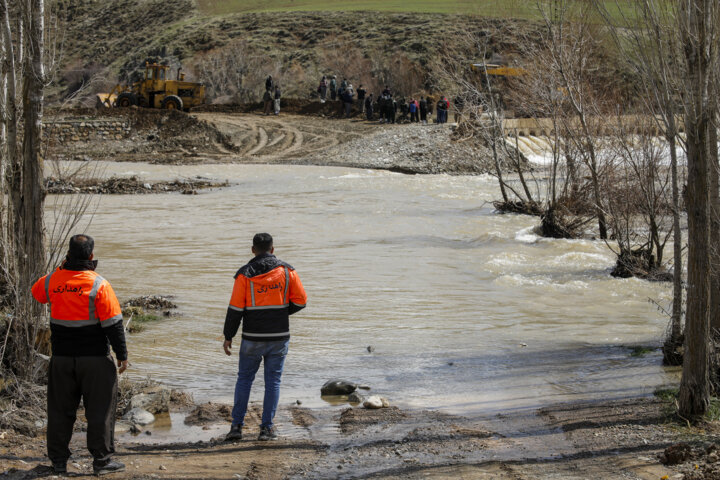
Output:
[[176, 138], [131, 185], [622, 439]]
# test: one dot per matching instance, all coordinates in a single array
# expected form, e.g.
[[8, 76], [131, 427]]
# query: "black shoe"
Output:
[[267, 433], [235, 433], [110, 467], [59, 467]]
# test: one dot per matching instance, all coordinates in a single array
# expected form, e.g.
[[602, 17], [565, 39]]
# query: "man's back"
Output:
[[266, 292]]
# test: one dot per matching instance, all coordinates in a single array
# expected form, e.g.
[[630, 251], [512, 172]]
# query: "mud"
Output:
[[622, 439], [354, 420], [236, 134], [208, 413], [125, 186]]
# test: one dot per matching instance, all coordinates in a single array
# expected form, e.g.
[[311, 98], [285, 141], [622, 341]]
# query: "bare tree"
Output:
[[573, 43], [648, 39], [23, 247], [698, 22], [638, 198]]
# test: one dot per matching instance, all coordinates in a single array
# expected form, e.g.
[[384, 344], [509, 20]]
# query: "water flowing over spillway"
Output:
[[467, 310]]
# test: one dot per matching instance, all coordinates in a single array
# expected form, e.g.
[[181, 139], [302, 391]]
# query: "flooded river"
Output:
[[468, 311]]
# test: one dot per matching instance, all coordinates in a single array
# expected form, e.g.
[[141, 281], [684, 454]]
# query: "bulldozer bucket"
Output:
[[105, 100]]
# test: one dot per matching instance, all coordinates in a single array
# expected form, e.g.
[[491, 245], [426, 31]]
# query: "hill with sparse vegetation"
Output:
[[233, 45]]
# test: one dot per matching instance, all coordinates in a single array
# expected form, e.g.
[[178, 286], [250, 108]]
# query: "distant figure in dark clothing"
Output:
[[368, 106], [459, 103], [390, 108], [385, 107], [361, 98], [343, 87], [277, 100], [347, 99], [387, 92], [322, 89], [268, 100], [442, 110], [269, 84], [423, 110], [333, 88], [404, 109]]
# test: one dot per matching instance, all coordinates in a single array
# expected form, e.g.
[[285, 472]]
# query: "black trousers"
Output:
[[95, 380]]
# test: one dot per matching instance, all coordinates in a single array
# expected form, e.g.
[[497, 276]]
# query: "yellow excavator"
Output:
[[156, 90]]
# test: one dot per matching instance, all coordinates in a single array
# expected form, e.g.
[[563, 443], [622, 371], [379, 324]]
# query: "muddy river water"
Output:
[[467, 310]]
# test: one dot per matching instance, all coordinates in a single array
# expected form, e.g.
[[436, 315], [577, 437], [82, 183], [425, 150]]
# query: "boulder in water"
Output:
[[139, 416], [375, 402], [340, 387], [356, 397], [154, 400]]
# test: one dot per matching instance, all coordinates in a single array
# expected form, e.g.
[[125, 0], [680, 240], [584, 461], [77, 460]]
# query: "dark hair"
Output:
[[81, 247], [263, 242]]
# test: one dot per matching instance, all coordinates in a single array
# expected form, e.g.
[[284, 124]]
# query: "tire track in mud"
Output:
[[257, 138]]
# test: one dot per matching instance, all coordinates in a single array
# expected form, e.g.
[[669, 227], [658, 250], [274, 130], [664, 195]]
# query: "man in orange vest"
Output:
[[266, 292], [85, 318]]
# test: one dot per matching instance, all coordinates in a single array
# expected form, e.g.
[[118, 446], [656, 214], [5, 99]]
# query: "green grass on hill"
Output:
[[493, 8], [519, 9]]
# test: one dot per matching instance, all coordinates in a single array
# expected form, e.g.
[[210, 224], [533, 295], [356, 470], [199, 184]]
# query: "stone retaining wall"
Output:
[[86, 130]]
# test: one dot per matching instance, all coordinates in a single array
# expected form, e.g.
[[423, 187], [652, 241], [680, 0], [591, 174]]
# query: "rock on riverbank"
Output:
[[414, 149]]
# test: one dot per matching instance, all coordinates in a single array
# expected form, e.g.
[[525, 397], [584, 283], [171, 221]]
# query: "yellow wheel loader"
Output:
[[156, 90]]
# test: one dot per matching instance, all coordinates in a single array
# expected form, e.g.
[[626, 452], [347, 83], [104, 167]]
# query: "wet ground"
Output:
[[581, 441]]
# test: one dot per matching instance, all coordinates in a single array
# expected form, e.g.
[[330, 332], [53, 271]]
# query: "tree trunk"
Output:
[[33, 193], [696, 23], [11, 161], [694, 393], [714, 233], [28, 194], [498, 170], [676, 319]]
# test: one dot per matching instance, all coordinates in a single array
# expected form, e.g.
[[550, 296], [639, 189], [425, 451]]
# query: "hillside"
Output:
[[233, 52]]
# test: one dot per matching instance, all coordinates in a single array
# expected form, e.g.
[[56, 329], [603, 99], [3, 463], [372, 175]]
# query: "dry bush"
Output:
[[402, 75], [235, 73], [344, 58]]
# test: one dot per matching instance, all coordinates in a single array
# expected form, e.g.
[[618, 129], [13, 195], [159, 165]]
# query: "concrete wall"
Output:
[[543, 127]]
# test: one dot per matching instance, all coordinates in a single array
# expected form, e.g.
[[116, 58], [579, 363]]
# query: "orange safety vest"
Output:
[[78, 298], [264, 302]]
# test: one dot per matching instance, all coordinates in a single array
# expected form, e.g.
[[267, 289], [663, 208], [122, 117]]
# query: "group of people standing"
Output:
[[385, 106], [271, 97], [345, 92]]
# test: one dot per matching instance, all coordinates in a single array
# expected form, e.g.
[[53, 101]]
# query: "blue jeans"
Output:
[[251, 354]]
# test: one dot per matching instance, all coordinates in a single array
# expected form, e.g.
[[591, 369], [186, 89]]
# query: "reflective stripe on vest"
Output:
[[287, 284], [265, 335], [91, 298], [47, 288]]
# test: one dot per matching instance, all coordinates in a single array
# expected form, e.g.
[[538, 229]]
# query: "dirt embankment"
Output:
[[305, 133], [155, 136]]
